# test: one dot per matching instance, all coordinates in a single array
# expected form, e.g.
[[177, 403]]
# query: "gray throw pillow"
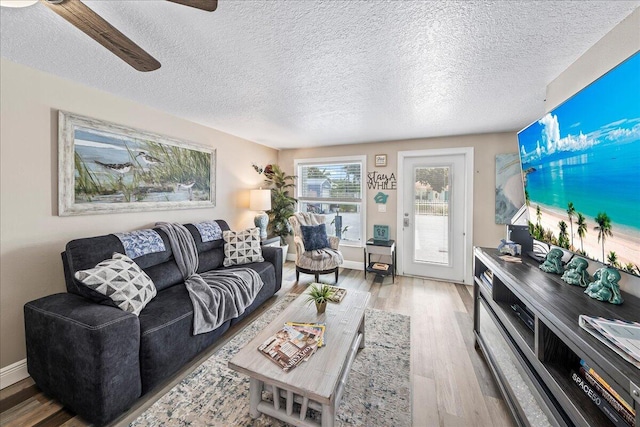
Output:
[[242, 247], [314, 237], [122, 280]]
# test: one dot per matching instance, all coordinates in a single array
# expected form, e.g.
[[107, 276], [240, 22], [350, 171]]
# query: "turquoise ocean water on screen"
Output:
[[587, 150], [607, 179]]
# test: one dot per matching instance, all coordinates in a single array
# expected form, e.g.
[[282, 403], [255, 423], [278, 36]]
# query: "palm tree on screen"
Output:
[[563, 239], [612, 258], [571, 211], [582, 229], [603, 228]]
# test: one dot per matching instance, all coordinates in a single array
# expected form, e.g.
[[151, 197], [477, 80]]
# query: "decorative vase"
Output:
[[321, 307]]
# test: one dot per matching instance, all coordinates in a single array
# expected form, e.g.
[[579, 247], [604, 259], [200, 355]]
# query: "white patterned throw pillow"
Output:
[[242, 247], [122, 280]]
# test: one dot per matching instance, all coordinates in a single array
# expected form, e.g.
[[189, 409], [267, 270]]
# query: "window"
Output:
[[334, 187]]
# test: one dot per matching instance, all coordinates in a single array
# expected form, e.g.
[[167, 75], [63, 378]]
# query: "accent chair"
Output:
[[311, 257]]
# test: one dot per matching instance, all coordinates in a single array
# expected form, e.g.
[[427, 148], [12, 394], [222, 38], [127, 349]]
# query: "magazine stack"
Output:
[[293, 344], [618, 410]]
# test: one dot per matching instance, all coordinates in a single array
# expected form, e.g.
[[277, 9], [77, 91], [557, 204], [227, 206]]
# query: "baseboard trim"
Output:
[[353, 265], [13, 373]]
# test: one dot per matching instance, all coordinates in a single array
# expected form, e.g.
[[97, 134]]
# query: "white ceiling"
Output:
[[306, 73]]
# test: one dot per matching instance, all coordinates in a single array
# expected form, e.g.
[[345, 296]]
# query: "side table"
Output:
[[380, 247]]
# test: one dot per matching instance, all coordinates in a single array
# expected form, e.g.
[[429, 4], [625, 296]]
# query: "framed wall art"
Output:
[[509, 188], [105, 167], [380, 160]]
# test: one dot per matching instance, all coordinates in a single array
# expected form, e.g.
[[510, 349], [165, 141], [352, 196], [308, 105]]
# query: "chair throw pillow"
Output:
[[242, 247], [122, 280], [314, 236]]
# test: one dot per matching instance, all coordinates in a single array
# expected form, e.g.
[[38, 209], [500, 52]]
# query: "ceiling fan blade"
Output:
[[93, 25], [208, 5]]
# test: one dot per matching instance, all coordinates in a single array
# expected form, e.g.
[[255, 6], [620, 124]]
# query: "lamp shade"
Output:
[[260, 200]]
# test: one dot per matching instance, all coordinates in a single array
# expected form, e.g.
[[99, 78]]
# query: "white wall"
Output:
[[486, 146], [32, 235], [616, 46]]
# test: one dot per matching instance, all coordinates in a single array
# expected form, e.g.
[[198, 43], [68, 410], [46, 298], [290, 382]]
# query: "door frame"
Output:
[[468, 197]]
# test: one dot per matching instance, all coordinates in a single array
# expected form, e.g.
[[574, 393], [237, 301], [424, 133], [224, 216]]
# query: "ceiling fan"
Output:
[[96, 27]]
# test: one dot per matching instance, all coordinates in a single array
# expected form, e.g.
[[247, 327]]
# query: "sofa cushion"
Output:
[[167, 342], [122, 280], [210, 254], [140, 242], [268, 275], [242, 247], [82, 254], [314, 237], [209, 231]]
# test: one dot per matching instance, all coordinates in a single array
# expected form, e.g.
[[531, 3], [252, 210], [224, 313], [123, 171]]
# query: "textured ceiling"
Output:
[[307, 73]]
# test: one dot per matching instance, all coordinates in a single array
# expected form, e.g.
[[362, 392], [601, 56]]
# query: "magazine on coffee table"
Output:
[[313, 329], [289, 347], [621, 336]]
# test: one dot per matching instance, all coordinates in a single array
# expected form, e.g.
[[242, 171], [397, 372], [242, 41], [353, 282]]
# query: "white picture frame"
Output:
[[104, 168]]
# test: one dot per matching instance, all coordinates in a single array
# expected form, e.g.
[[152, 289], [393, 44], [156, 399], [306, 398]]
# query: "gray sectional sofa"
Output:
[[98, 359]]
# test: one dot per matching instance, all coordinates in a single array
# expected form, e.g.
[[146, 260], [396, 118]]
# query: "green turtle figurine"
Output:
[[576, 273], [605, 286], [553, 262]]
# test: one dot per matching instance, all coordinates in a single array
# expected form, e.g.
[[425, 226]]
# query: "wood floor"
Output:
[[450, 381]]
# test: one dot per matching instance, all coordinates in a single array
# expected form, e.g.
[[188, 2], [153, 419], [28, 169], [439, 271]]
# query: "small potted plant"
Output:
[[320, 294]]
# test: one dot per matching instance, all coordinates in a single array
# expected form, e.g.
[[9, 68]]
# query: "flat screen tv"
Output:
[[581, 170]]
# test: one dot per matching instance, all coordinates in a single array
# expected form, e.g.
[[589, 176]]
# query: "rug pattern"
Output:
[[378, 391]]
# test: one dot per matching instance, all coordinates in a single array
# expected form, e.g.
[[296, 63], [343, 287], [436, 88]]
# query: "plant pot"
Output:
[[321, 307], [285, 249]]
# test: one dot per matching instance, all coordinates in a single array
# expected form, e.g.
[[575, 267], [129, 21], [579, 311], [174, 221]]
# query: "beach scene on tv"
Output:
[[581, 171]]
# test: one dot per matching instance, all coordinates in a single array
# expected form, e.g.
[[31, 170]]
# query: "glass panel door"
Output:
[[431, 214], [434, 209]]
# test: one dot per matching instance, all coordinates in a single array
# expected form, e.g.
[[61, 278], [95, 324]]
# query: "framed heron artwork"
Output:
[[105, 167]]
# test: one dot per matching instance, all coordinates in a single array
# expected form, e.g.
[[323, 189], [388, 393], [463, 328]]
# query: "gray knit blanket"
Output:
[[217, 295]]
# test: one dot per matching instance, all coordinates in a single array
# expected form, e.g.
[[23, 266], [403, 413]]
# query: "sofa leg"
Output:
[[297, 275], [337, 275], [317, 276]]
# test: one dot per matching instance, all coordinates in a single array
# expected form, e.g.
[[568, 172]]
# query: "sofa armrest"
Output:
[[84, 354], [274, 256]]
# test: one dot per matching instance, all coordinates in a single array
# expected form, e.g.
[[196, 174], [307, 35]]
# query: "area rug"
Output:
[[378, 391]]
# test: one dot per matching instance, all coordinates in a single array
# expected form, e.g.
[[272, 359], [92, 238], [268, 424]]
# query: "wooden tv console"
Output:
[[533, 367]]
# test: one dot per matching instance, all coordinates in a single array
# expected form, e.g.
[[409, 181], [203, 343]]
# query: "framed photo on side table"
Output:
[[381, 160], [381, 232]]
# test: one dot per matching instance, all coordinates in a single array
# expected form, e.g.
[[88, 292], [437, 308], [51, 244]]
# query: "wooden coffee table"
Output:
[[317, 383]]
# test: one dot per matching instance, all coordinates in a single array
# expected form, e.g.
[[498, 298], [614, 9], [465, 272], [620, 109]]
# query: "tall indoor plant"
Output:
[[282, 202]]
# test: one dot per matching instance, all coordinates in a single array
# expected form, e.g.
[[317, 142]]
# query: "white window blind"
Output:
[[334, 181], [334, 188]]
